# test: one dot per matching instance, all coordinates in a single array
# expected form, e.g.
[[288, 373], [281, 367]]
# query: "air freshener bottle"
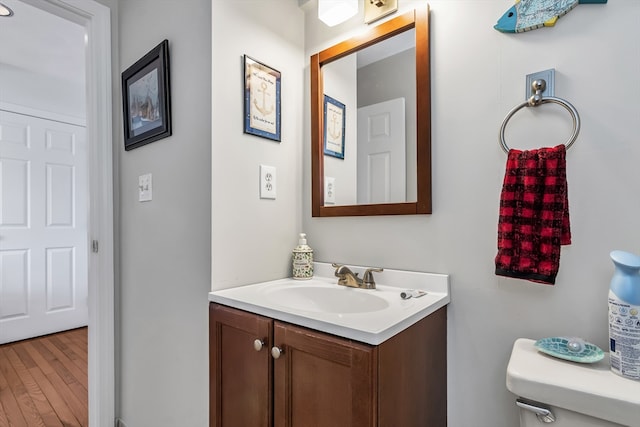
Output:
[[302, 260], [624, 315]]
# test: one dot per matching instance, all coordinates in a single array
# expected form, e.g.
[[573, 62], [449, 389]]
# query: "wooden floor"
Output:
[[43, 381]]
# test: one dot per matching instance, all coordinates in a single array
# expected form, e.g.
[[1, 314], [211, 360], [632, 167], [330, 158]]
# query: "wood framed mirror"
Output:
[[373, 197]]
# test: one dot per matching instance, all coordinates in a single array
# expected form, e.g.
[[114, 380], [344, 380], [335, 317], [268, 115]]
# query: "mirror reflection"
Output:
[[371, 121], [377, 89]]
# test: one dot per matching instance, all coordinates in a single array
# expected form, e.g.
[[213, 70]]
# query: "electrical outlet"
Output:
[[267, 182], [145, 188], [329, 190]]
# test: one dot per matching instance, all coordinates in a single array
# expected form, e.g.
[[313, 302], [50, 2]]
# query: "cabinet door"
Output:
[[240, 376], [322, 380]]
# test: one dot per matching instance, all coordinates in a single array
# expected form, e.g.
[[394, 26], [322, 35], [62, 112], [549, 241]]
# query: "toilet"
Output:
[[561, 393]]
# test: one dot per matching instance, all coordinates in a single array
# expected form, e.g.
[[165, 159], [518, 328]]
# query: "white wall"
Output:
[[478, 76], [44, 74], [164, 244], [252, 238], [43, 92], [340, 83]]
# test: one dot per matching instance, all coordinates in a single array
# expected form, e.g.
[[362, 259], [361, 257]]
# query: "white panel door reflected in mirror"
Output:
[[381, 82]]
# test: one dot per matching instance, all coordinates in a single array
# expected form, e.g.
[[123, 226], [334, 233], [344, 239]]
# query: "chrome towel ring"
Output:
[[538, 99]]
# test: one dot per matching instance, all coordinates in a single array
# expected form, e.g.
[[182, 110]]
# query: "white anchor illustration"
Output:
[[263, 110], [332, 131]]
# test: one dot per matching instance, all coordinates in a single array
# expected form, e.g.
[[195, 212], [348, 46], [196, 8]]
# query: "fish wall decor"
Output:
[[527, 15]]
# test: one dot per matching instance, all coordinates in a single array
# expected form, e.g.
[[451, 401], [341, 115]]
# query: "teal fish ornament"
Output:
[[527, 15]]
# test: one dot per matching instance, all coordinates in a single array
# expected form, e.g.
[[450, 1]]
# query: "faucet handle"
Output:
[[367, 278], [338, 268], [341, 271]]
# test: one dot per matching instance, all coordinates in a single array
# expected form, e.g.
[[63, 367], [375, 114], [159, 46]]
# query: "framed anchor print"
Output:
[[334, 122], [261, 99]]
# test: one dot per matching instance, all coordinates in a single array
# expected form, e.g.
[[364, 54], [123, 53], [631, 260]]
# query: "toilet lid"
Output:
[[590, 389]]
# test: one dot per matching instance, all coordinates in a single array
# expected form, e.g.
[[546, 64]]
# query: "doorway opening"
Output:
[[95, 19]]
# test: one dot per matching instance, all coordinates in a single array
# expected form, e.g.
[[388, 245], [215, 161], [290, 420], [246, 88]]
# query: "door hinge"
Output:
[[94, 246]]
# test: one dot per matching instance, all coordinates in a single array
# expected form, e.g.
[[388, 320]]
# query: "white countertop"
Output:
[[370, 327]]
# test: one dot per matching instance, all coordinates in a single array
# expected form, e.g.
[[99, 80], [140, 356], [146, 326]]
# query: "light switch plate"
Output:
[[145, 188], [329, 190], [267, 182]]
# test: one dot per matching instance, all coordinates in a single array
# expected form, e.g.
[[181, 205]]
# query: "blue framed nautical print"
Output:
[[262, 88], [334, 125]]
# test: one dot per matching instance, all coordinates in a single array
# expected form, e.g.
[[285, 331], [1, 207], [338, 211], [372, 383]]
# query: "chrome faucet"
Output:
[[346, 277]]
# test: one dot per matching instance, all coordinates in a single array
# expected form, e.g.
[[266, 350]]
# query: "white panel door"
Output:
[[382, 161], [43, 227]]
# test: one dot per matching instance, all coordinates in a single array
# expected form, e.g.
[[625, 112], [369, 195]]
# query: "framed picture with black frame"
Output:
[[146, 98], [262, 86], [334, 125]]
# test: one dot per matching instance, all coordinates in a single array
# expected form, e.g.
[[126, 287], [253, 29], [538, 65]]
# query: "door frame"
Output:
[[96, 18]]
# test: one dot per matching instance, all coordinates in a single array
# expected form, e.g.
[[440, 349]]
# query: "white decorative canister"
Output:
[[302, 259]]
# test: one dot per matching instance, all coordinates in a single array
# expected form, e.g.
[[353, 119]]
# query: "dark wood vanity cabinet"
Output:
[[240, 378], [321, 380]]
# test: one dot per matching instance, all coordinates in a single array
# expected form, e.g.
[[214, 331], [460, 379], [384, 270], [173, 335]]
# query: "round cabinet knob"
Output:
[[258, 344], [276, 352]]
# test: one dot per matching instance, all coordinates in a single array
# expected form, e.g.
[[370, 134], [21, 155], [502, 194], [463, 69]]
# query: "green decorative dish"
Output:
[[573, 349]]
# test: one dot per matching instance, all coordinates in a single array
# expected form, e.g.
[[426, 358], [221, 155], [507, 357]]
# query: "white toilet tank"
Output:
[[574, 394]]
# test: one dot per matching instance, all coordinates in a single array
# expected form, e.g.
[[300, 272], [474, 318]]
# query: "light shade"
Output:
[[334, 12], [5, 11]]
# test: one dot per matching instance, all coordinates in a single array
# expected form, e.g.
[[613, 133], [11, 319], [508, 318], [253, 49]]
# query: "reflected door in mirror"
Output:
[[381, 153], [363, 181]]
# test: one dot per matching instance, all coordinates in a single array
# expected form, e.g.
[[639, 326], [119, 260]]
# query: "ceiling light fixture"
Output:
[[5, 12], [334, 12]]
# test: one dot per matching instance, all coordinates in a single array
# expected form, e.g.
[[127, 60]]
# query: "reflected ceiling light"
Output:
[[334, 12], [5, 12]]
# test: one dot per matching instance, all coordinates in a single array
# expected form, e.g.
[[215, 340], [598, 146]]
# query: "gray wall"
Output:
[[478, 75], [174, 249], [165, 254], [399, 77]]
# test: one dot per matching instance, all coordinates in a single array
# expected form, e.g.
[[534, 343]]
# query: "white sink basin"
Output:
[[326, 300], [368, 315]]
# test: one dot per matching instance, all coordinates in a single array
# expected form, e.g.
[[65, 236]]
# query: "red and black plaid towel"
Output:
[[534, 215]]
